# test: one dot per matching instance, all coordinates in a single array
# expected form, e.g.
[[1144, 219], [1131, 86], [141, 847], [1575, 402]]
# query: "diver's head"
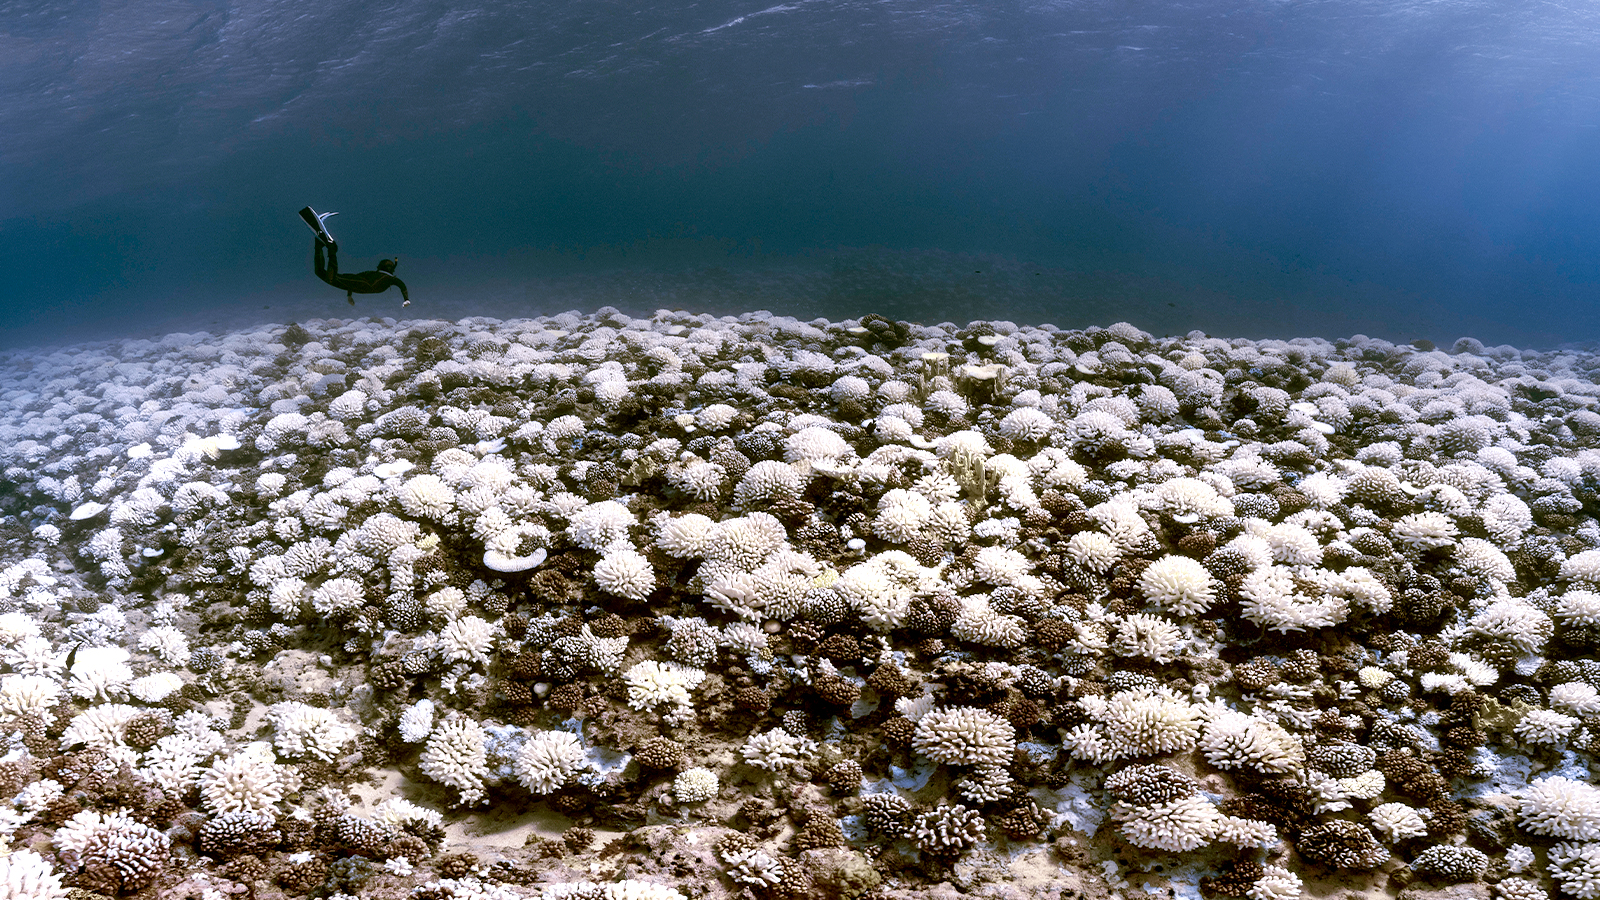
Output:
[[387, 265]]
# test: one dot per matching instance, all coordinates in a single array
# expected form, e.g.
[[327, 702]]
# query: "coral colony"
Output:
[[697, 607]]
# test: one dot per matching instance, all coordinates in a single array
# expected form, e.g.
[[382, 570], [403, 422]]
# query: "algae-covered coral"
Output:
[[686, 606]]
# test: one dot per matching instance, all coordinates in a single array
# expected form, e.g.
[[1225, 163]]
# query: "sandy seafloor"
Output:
[[683, 606]]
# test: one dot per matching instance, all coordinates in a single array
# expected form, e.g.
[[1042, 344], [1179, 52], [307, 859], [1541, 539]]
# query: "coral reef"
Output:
[[709, 607]]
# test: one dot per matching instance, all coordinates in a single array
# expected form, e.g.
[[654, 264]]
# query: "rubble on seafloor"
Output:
[[593, 606]]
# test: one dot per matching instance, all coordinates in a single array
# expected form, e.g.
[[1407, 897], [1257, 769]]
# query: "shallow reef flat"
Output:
[[678, 607]]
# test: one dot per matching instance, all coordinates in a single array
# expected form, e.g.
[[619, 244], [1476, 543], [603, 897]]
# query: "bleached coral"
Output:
[[1093, 550], [776, 749], [652, 683], [167, 643], [27, 694], [416, 721], [1576, 696], [1545, 726], [468, 639], [881, 589], [964, 736], [1134, 723], [101, 728], [308, 731], [426, 496], [249, 780], [1149, 636], [978, 623], [1234, 739], [1178, 584], [1561, 807], [1397, 821], [547, 760], [1271, 597], [25, 875], [1185, 823], [100, 673], [456, 756], [695, 784], [599, 525], [1276, 883], [769, 480], [117, 851], [625, 573], [1425, 531], [1575, 868], [1514, 623]]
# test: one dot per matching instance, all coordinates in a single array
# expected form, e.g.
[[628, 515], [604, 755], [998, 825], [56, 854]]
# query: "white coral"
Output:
[[1397, 821], [776, 749], [1424, 531], [338, 596], [249, 780], [1270, 598], [456, 756], [652, 683], [623, 572], [1276, 883], [1515, 622], [417, 721], [467, 639], [1185, 823], [1094, 551], [1561, 807], [167, 643], [27, 694], [100, 673], [300, 731], [599, 525], [695, 784], [547, 759], [25, 875], [1149, 636], [964, 736], [1178, 584], [1234, 739], [977, 623], [1577, 697], [1545, 726], [1576, 868]]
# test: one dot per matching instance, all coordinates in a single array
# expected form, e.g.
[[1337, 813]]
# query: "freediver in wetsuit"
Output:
[[373, 282]]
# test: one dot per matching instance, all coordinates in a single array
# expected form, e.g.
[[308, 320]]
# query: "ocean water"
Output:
[[1260, 169]]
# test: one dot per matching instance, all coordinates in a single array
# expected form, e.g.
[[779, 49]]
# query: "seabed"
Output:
[[592, 606]]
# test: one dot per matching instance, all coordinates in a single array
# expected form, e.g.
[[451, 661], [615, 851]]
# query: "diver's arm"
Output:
[[402, 286]]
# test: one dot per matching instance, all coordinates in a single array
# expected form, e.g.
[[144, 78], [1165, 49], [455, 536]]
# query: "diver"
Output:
[[373, 282]]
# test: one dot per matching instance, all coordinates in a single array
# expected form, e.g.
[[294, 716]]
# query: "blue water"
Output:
[[1406, 170]]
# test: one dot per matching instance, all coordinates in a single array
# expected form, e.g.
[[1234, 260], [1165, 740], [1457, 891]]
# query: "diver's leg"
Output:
[[319, 264]]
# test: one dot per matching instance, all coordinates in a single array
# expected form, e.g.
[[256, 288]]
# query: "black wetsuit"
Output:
[[373, 282]]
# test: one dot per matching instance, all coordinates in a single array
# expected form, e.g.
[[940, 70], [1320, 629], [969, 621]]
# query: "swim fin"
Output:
[[314, 219]]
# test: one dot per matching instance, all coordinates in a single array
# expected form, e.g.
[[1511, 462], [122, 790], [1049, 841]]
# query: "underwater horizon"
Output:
[[1280, 170]]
